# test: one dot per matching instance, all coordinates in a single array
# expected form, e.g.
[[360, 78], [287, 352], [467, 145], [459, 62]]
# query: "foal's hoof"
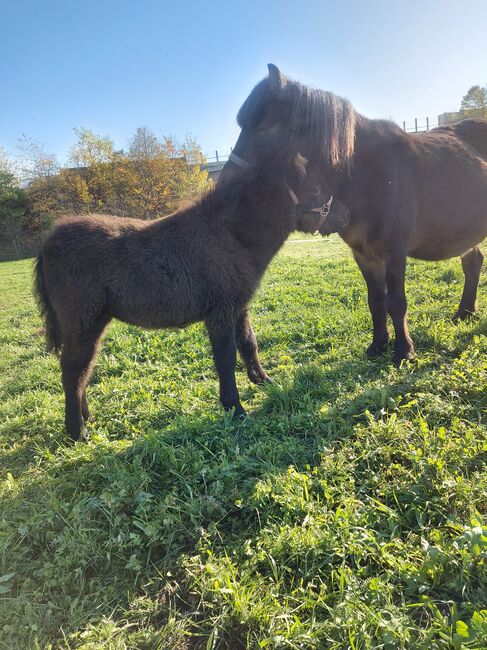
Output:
[[376, 349]]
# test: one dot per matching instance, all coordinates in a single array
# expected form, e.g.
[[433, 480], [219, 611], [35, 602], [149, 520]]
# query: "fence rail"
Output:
[[218, 157], [421, 128]]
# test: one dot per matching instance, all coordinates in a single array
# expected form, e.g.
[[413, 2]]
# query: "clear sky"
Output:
[[185, 67]]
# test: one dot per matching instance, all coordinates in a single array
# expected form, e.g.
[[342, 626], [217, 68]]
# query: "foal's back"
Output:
[[165, 273]]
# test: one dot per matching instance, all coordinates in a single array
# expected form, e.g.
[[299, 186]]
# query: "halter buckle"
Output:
[[323, 211]]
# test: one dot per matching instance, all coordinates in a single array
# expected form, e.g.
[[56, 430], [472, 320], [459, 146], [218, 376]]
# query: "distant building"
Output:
[[214, 169], [450, 118]]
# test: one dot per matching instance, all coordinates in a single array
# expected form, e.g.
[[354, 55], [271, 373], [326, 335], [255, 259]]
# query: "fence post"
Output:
[[216, 154], [416, 124], [427, 123], [404, 125]]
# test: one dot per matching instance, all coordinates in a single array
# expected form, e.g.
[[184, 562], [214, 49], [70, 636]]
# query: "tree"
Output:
[[34, 160], [474, 102], [12, 206], [144, 145], [91, 149], [161, 174]]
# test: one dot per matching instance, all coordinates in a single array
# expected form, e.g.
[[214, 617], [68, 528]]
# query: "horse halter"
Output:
[[322, 210]]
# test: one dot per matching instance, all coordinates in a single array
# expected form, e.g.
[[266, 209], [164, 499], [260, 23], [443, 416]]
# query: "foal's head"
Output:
[[297, 191]]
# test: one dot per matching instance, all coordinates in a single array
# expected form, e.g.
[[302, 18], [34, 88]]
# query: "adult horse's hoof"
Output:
[[376, 349], [401, 356], [237, 411]]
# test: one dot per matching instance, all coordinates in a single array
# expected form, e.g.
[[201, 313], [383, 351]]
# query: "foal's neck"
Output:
[[262, 219]]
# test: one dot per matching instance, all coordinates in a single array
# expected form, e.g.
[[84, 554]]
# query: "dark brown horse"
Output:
[[423, 196], [202, 263]]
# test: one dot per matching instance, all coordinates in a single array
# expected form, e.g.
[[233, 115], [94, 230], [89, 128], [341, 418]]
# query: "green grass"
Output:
[[346, 512]]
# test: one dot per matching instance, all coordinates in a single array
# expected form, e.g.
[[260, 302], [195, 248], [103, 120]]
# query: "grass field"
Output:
[[346, 512]]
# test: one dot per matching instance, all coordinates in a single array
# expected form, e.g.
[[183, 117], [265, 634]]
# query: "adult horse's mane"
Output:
[[317, 115]]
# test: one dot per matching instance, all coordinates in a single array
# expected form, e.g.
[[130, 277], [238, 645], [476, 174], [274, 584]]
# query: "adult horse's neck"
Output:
[[372, 159]]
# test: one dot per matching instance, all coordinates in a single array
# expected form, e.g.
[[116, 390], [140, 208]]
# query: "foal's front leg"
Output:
[[248, 349], [221, 331], [397, 306]]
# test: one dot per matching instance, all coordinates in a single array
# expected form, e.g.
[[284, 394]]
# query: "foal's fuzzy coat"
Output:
[[202, 263]]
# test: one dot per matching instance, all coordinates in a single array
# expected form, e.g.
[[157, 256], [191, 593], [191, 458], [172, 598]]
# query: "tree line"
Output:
[[152, 178]]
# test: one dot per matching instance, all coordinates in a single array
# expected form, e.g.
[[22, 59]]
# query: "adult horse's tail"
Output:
[[53, 333], [475, 133]]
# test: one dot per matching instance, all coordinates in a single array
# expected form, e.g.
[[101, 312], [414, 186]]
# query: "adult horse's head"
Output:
[[282, 116]]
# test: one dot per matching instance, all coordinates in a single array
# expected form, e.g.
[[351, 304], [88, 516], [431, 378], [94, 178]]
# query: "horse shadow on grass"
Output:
[[120, 519]]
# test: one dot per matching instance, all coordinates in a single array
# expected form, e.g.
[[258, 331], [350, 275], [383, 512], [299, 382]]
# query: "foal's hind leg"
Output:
[[248, 349], [472, 264], [77, 359]]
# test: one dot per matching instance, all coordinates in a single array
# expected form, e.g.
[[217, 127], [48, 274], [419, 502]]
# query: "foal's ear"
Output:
[[300, 163], [276, 79]]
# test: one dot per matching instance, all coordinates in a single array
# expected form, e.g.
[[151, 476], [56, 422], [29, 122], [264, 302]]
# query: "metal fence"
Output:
[[426, 125], [218, 157]]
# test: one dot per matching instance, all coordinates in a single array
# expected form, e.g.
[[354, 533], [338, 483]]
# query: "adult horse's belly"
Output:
[[438, 234], [451, 198]]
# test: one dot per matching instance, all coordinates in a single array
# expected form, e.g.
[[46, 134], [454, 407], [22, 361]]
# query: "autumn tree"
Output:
[[34, 160], [91, 149], [144, 145], [163, 174], [155, 177], [38, 169]]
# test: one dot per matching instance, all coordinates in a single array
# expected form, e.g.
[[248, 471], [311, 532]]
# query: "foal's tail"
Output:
[[53, 333]]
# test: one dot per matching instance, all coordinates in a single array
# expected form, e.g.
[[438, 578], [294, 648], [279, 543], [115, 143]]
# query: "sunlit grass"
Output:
[[346, 512]]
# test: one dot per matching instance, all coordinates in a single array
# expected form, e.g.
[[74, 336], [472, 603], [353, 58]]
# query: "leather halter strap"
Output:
[[238, 161], [323, 210]]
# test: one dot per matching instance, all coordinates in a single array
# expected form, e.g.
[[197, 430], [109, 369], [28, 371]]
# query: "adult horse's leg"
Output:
[[248, 349], [77, 360], [375, 277], [221, 331], [397, 306], [472, 265]]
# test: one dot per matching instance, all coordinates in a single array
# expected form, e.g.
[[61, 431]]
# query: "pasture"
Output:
[[346, 512]]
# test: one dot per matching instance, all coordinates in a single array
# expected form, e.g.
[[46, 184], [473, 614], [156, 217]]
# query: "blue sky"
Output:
[[185, 67]]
